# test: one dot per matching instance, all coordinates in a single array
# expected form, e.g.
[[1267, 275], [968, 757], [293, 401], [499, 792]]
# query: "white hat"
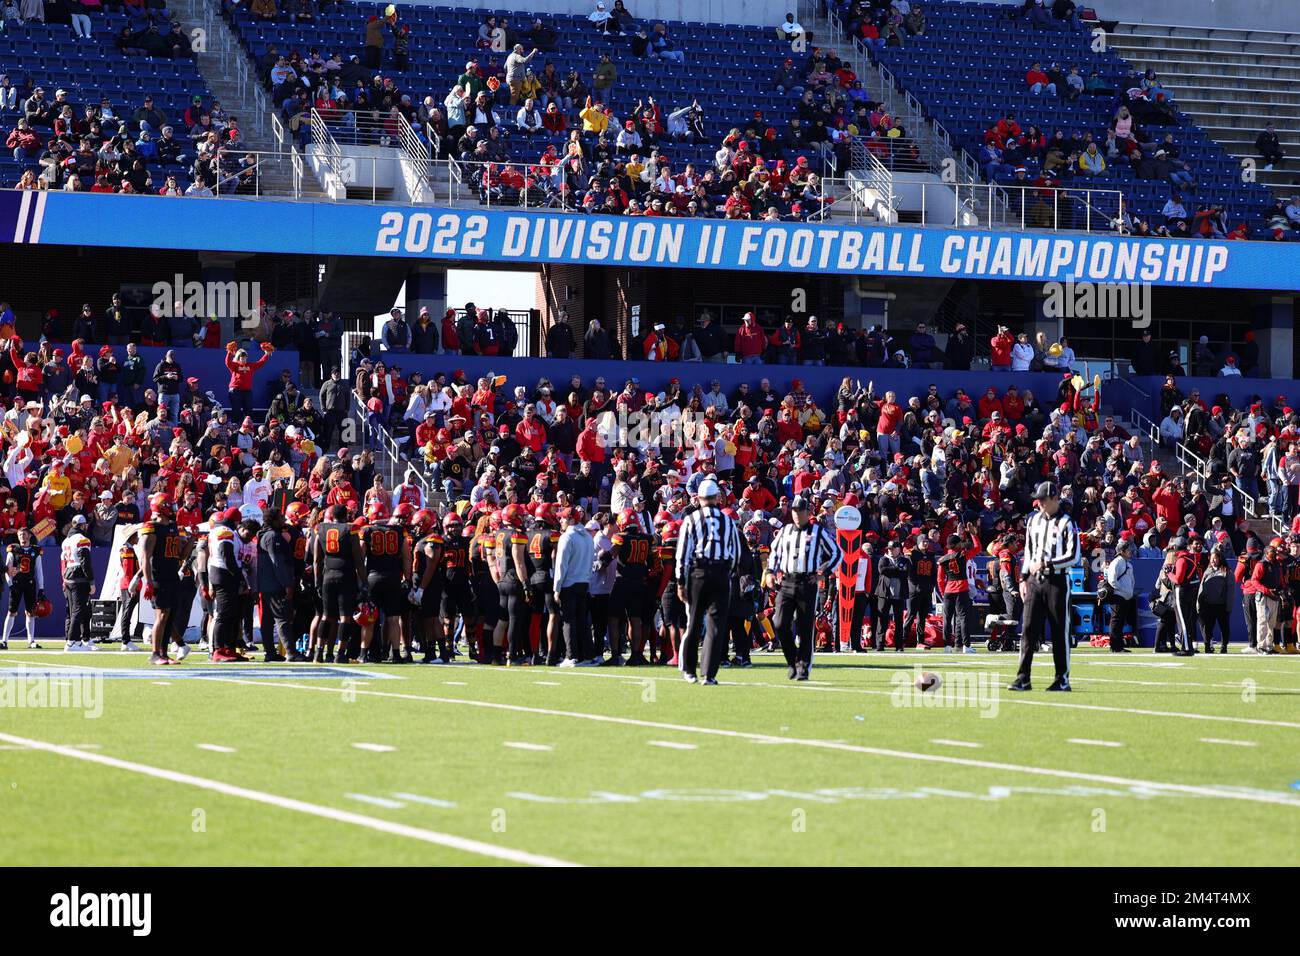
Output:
[[708, 489]]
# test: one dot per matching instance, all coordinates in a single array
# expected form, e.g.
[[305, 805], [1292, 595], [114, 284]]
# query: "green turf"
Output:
[[604, 794]]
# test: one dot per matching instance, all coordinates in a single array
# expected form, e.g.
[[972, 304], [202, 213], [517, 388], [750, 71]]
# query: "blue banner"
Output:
[[482, 235]]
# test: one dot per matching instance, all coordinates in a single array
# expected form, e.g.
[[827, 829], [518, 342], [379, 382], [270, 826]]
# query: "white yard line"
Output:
[[672, 745], [298, 806], [427, 801], [955, 743], [376, 801], [1230, 743], [1205, 791], [375, 748], [1093, 743], [548, 683], [216, 748], [524, 745], [674, 680]]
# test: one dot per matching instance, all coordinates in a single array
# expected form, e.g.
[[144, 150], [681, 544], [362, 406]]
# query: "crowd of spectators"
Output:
[[528, 133]]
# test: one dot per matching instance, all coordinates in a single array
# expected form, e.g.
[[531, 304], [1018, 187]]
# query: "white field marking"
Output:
[[1093, 743], [548, 683], [524, 745], [1098, 659], [299, 806], [162, 683], [376, 748], [376, 801], [1004, 699], [217, 748], [955, 743], [88, 746], [672, 744], [1231, 743], [428, 801], [455, 683], [1206, 791]]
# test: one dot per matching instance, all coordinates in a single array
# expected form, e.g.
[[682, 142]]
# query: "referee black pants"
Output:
[[796, 615], [708, 597], [1185, 617], [1045, 604]]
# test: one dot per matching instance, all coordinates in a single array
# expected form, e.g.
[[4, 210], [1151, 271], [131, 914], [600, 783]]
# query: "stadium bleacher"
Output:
[[729, 69], [969, 68], [48, 55]]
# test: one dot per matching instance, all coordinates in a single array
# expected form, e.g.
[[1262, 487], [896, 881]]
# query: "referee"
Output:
[[802, 553], [708, 548], [1051, 546]]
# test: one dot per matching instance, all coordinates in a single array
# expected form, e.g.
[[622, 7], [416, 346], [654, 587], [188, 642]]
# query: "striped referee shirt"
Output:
[[1053, 543], [707, 535], [810, 550]]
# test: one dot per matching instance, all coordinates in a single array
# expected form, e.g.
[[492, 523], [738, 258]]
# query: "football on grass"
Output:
[[927, 681]]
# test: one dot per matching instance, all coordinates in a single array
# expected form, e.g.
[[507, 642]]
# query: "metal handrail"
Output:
[[378, 435], [1190, 461]]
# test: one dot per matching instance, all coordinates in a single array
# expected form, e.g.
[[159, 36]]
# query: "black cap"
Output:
[[1046, 489], [800, 503]]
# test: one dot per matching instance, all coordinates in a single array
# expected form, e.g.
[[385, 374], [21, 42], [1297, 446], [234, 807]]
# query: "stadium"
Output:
[[350, 357]]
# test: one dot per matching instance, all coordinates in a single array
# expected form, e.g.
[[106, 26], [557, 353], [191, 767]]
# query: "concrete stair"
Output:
[[276, 176], [1231, 82]]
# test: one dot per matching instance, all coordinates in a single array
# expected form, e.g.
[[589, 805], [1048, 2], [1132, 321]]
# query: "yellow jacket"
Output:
[[594, 120]]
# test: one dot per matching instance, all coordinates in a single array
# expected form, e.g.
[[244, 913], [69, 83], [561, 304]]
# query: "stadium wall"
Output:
[[209, 367], [1241, 392], [821, 382]]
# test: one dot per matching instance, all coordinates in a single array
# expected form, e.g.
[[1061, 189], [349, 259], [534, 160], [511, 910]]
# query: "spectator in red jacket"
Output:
[[241, 377], [1038, 82], [23, 141], [30, 378], [750, 341], [590, 448], [1001, 345], [450, 337], [891, 414], [990, 403], [531, 431]]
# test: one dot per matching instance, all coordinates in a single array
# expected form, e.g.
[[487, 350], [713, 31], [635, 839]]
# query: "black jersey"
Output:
[[383, 548], [455, 557], [540, 555], [335, 539], [504, 543], [165, 561], [924, 573], [424, 548], [635, 552], [23, 558]]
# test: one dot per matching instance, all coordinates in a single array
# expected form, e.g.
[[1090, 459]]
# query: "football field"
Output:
[[1150, 761]]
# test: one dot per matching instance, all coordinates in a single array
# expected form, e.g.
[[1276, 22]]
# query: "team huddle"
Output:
[[509, 587]]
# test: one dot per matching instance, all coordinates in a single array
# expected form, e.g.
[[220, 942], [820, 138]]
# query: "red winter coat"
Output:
[[241, 373]]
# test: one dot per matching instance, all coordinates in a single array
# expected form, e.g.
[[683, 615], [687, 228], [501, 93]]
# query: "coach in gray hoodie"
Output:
[[575, 556]]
